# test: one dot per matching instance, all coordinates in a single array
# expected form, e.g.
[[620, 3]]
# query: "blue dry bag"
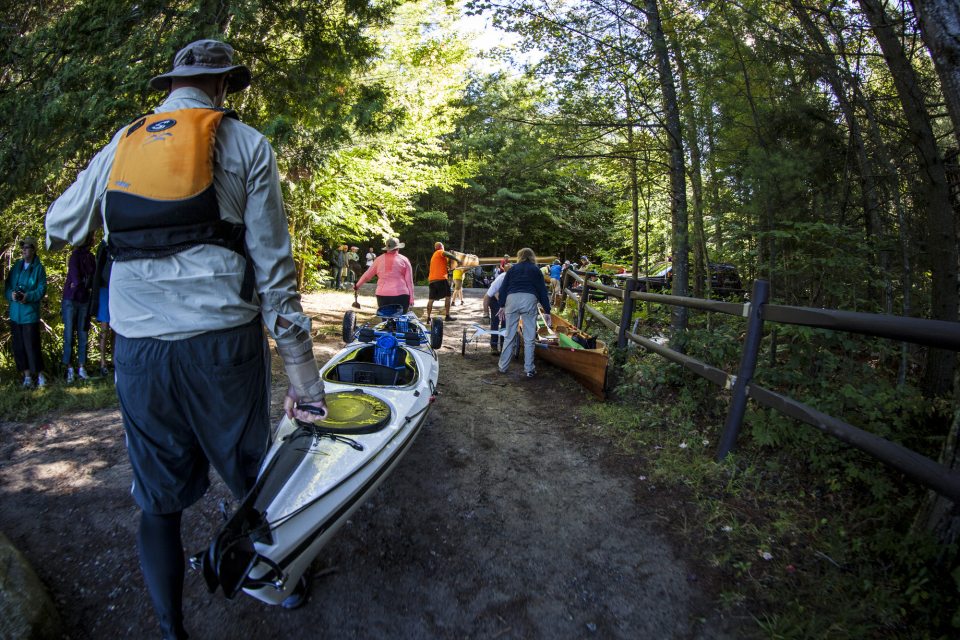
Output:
[[386, 353]]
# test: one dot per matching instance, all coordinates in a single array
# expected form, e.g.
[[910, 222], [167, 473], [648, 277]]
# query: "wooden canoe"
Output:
[[587, 366]]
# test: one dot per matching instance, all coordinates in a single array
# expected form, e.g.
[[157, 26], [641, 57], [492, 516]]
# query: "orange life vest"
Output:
[[161, 199]]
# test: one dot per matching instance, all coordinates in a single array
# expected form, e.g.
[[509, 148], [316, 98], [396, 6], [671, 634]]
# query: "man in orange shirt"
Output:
[[439, 285]]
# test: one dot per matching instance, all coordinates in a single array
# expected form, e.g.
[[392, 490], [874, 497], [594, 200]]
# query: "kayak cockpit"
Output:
[[367, 366]]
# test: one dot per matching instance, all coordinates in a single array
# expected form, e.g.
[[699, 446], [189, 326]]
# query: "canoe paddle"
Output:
[[355, 305]]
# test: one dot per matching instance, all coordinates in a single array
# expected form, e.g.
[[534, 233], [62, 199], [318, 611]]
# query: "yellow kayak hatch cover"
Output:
[[354, 412]]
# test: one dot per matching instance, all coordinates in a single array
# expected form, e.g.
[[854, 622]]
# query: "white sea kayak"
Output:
[[379, 391]]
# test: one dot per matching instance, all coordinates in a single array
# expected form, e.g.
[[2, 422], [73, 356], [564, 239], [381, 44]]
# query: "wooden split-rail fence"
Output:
[[931, 333]]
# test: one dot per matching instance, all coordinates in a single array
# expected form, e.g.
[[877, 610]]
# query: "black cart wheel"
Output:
[[463, 344], [349, 326], [436, 333]]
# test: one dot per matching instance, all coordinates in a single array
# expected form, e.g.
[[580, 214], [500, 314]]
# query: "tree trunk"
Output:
[[714, 191], [934, 198], [868, 186], [772, 254], [940, 27], [902, 224], [463, 225], [633, 189], [678, 187], [696, 178], [938, 514], [646, 241]]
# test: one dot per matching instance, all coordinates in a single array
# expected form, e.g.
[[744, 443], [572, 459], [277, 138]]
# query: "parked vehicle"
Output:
[[724, 279], [595, 294], [483, 276]]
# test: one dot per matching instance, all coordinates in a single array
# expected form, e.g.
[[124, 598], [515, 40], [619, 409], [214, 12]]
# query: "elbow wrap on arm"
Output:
[[297, 355]]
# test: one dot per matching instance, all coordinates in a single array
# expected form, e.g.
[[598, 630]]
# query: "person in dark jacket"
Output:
[[101, 310], [522, 290], [76, 306], [339, 261], [25, 286]]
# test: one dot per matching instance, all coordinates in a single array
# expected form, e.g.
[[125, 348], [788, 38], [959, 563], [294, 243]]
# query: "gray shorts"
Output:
[[189, 403]]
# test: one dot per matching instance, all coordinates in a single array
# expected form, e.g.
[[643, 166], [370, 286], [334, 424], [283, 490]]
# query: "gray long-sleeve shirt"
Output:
[[196, 290]]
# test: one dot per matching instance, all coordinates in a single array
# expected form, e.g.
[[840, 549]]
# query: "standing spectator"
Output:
[[394, 276], [556, 269], [586, 266], [76, 306], [344, 266], [338, 260], [352, 255], [371, 256], [491, 312], [439, 285], [100, 309], [25, 287], [522, 289], [458, 285]]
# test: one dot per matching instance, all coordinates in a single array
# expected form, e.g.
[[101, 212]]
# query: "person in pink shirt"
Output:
[[394, 276]]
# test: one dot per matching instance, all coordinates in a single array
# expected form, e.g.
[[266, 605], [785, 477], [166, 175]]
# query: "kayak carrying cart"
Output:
[[480, 332]]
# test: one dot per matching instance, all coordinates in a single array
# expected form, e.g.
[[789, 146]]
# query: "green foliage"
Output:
[[836, 523], [519, 193], [76, 73]]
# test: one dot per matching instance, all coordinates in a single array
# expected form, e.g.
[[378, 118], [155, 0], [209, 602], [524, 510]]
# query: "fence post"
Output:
[[627, 313], [582, 305], [748, 365]]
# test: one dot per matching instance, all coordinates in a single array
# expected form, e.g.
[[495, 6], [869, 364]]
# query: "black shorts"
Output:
[[403, 301], [187, 403], [439, 289]]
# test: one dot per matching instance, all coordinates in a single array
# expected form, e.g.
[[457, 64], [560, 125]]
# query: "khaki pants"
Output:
[[525, 306]]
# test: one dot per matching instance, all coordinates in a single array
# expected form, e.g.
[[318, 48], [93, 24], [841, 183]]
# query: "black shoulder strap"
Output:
[[228, 113]]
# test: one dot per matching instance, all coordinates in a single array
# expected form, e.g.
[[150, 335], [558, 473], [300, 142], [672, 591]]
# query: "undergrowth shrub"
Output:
[[811, 535]]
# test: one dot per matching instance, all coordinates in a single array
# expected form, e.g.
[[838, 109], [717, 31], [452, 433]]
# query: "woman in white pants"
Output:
[[522, 290]]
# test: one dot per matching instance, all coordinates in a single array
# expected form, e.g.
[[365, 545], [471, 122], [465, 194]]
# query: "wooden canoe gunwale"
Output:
[[586, 366]]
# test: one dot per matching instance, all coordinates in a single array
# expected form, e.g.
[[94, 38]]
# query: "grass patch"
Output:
[[21, 405]]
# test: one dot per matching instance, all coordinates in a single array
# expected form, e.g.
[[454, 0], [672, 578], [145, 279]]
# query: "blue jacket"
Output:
[[555, 271], [525, 277], [34, 282]]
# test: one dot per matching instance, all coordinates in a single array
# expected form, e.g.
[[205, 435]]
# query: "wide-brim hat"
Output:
[[205, 57], [393, 243], [30, 240]]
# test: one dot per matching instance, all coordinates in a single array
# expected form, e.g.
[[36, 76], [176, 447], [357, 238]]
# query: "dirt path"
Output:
[[502, 522]]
